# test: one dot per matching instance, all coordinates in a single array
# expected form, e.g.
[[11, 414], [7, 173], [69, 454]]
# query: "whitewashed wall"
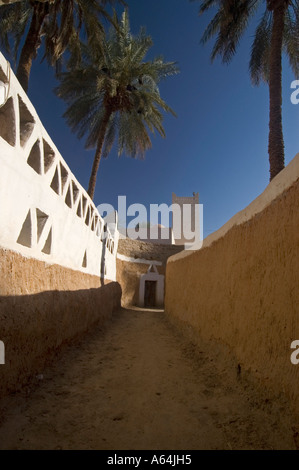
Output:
[[44, 211]]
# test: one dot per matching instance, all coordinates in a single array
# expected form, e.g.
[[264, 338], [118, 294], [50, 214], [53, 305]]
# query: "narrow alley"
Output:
[[139, 384]]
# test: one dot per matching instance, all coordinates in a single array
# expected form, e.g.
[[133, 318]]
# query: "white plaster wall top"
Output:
[[45, 213]]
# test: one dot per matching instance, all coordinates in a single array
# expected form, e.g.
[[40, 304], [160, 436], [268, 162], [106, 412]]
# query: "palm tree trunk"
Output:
[[98, 154], [276, 143], [32, 43]]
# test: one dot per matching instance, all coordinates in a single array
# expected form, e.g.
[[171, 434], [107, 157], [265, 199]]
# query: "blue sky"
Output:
[[216, 146]]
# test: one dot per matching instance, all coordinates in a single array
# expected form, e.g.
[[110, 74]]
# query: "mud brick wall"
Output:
[[42, 308], [241, 289], [144, 250]]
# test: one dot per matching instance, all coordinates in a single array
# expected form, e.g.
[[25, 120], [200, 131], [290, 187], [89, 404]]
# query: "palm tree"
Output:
[[115, 94], [58, 21], [277, 32]]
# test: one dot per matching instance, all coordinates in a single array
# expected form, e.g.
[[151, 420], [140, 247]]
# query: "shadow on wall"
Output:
[[35, 327]]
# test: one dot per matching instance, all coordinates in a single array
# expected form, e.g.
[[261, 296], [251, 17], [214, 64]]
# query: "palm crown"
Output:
[[231, 22], [114, 95], [277, 32], [58, 22]]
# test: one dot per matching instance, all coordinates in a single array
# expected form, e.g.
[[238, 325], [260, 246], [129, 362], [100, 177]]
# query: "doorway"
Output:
[[150, 289]]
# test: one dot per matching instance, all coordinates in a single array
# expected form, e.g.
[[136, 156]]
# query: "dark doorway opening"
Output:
[[150, 293]]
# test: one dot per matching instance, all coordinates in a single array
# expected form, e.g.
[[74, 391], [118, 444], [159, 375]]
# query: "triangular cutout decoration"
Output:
[[79, 209], [87, 218], [64, 176], [55, 182], [8, 122], [84, 263], [75, 192], [34, 159], [48, 245], [25, 236], [49, 156], [68, 198], [152, 269], [41, 218], [26, 122]]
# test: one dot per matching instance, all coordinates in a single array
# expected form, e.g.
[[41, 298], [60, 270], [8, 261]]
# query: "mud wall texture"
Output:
[[242, 290], [143, 250], [42, 308]]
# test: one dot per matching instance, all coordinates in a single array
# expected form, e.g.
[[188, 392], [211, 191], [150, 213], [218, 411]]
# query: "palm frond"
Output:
[[291, 36], [62, 28], [260, 50], [13, 21], [228, 24]]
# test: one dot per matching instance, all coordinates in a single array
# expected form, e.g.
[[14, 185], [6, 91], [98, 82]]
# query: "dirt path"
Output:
[[139, 385]]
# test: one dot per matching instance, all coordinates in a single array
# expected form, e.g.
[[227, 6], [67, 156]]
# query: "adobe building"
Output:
[[141, 263], [140, 268]]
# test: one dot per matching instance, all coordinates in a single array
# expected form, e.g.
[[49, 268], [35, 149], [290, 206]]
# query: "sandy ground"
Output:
[[138, 384]]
